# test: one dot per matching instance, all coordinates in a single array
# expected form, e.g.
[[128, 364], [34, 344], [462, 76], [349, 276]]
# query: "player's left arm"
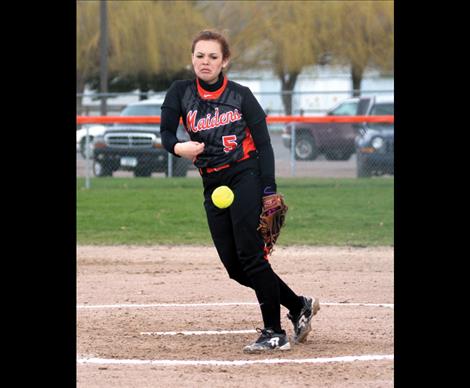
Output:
[[255, 118], [265, 157]]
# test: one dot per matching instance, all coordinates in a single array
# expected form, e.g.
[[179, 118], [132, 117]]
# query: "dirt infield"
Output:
[[125, 294]]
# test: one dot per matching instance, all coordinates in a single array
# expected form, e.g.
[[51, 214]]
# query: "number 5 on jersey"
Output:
[[230, 142]]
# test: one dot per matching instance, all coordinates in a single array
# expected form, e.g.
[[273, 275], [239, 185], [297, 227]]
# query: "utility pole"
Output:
[[103, 54]]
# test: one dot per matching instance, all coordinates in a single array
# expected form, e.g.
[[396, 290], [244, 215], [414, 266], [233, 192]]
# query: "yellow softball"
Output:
[[222, 197]]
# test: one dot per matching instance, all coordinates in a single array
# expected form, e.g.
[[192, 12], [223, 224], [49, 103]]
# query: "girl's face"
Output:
[[207, 60]]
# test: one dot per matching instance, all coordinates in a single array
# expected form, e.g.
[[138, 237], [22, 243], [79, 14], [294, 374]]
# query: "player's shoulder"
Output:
[[178, 88], [238, 87], [181, 83]]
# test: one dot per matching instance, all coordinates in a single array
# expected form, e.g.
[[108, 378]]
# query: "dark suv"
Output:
[[136, 147], [375, 144], [334, 140]]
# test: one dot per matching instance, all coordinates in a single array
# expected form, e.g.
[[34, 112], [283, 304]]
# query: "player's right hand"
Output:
[[189, 149]]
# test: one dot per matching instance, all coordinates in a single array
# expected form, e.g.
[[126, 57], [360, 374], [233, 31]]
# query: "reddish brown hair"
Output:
[[213, 35]]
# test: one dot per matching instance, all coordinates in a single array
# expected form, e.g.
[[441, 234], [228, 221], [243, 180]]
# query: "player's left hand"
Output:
[[272, 219]]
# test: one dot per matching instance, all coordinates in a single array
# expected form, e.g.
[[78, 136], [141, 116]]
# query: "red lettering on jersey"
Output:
[[190, 119], [223, 119], [230, 142], [210, 121]]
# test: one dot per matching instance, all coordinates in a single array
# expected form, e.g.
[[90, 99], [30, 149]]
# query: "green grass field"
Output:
[[355, 212]]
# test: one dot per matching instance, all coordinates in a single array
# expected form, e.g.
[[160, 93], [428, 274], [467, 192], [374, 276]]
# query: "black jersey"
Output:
[[219, 119]]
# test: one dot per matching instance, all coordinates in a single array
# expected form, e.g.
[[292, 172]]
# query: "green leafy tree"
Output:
[[293, 40], [287, 36], [149, 43], [88, 37], [279, 35], [362, 36]]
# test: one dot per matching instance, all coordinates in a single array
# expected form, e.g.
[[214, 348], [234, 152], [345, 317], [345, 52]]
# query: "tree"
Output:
[[362, 36], [119, 83], [87, 44], [147, 48], [149, 42], [271, 34]]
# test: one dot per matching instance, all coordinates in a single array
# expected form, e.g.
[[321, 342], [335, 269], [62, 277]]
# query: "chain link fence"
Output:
[[301, 149]]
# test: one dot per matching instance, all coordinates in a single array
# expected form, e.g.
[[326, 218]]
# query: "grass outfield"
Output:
[[356, 212]]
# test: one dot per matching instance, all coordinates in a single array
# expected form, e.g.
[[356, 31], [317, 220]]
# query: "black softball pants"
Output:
[[239, 243]]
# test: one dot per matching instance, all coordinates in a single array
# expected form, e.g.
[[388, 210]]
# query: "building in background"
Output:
[[317, 89]]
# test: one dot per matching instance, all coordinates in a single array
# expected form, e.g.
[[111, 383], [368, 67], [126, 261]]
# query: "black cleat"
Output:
[[268, 341], [302, 321]]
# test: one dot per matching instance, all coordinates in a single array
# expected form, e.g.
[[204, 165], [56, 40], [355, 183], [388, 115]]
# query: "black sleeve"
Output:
[[170, 118], [255, 118], [260, 134], [253, 113]]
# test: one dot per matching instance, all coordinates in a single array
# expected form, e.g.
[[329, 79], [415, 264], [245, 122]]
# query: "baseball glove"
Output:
[[271, 220]]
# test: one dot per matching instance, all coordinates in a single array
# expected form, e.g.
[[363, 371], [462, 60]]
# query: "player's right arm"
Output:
[[170, 118], [188, 149]]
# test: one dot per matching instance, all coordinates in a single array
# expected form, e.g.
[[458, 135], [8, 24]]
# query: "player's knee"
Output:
[[254, 264], [240, 277]]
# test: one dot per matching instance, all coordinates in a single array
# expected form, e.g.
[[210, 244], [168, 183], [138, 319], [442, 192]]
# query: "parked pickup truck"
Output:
[[136, 147], [375, 144], [335, 140]]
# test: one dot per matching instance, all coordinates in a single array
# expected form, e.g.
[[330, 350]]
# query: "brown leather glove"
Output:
[[272, 219]]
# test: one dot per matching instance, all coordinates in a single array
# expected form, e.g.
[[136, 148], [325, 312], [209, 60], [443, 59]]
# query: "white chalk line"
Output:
[[319, 360], [221, 304], [199, 332]]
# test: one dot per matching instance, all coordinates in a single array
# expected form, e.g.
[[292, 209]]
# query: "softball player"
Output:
[[230, 145]]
